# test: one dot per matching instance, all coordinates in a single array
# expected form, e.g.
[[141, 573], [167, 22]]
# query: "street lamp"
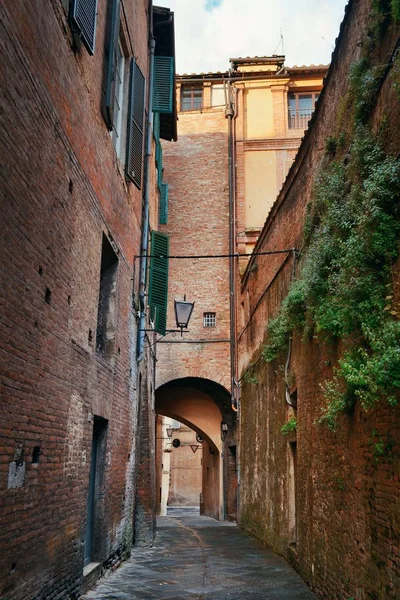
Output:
[[170, 431], [183, 312]]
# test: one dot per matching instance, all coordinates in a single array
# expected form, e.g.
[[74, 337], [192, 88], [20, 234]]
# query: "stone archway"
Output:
[[201, 404]]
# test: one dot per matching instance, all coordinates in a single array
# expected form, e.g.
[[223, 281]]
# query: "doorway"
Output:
[[92, 541]]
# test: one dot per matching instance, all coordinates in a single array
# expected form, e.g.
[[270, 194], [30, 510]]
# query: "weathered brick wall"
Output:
[[62, 187], [344, 539], [196, 170]]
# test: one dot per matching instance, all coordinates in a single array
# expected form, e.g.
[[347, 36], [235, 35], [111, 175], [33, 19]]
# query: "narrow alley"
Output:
[[200, 300], [196, 557]]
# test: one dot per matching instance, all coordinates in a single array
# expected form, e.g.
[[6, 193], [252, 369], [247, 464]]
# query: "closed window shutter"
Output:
[[163, 84], [83, 16], [112, 50], [134, 155], [158, 284], [163, 208]]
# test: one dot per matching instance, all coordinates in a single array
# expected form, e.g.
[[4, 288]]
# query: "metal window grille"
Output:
[[209, 319]]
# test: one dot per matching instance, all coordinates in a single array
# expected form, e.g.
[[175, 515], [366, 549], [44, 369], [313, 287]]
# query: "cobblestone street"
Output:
[[196, 558]]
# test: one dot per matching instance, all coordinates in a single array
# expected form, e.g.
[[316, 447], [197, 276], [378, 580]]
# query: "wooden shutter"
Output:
[[163, 83], [112, 51], [83, 16], [156, 127], [163, 207], [159, 164], [134, 154], [158, 284], [160, 324]]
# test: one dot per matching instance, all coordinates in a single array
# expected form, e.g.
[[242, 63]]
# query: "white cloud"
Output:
[[206, 39]]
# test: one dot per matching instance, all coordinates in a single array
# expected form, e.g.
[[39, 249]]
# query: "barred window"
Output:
[[209, 319]]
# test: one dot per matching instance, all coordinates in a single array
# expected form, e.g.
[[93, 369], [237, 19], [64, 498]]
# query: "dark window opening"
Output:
[[301, 107], [191, 97], [106, 315], [36, 454]]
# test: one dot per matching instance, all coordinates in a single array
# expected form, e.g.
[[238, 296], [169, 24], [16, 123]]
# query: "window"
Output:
[[301, 106], [124, 98], [118, 133], [83, 14], [209, 319], [107, 307], [191, 97], [218, 95], [134, 144]]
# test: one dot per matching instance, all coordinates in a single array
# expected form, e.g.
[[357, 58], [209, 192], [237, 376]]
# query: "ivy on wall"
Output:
[[351, 241]]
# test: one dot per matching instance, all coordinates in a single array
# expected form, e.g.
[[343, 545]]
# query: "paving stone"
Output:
[[198, 558]]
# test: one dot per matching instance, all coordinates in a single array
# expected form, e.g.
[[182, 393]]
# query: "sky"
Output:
[[210, 32]]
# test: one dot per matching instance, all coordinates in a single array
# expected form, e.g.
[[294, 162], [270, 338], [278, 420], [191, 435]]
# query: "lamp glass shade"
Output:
[[183, 312]]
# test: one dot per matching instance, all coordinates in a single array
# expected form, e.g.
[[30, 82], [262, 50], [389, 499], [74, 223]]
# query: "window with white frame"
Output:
[[218, 95], [209, 319], [120, 102]]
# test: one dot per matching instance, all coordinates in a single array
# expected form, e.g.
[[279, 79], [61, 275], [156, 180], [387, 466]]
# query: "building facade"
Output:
[[238, 134], [80, 192]]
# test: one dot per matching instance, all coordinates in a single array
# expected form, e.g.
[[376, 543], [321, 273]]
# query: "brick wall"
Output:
[[63, 188], [320, 498], [196, 170]]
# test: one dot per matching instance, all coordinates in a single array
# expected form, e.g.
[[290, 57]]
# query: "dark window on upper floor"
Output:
[[191, 97], [301, 106]]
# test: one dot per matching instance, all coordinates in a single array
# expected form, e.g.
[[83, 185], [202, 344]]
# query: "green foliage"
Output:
[[249, 378], [380, 446], [352, 234], [395, 6], [291, 316], [331, 145], [351, 241], [290, 426], [365, 82]]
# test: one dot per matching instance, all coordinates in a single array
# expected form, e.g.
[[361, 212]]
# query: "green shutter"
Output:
[[158, 284], [111, 58], [156, 127], [160, 324], [134, 154], [159, 163], [159, 155], [83, 16], [163, 207], [163, 83]]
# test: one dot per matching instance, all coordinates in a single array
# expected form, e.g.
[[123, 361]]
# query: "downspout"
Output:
[[144, 245], [230, 114]]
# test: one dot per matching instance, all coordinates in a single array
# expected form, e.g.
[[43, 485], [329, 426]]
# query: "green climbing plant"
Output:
[[351, 242]]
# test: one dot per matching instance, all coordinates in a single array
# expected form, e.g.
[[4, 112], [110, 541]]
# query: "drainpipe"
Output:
[[230, 115], [144, 246]]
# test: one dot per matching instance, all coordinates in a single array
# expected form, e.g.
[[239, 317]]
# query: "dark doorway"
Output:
[[96, 479]]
